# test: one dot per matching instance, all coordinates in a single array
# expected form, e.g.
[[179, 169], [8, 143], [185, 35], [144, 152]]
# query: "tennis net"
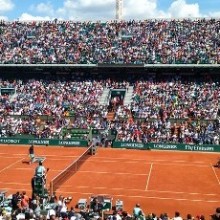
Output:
[[69, 171]]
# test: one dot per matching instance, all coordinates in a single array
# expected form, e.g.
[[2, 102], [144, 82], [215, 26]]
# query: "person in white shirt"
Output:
[[115, 216], [177, 216], [51, 212], [137, 210], [40, 170]]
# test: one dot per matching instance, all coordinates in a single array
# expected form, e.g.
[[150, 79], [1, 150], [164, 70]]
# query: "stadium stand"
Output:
[[169, 105], [183, 41], [170, 109]]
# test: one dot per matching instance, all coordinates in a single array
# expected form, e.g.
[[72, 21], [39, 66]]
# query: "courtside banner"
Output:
[[167, 146], [48, 142]]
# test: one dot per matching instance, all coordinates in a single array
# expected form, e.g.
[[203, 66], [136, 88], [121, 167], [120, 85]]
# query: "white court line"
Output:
[[31, 169], [57, 159], [13, 154], [148, 178], [215, 174], [27, 169], [9, 157], [183, 164], [143, 197], [123, 189], [12, 164], [173, 192], [64, 156], [81, 187], [18, 189], [100, 187], [141, 190], [87, 171], [57, 155], [119, 173], [171, 163], [131, 161], [158, 160], [114, 160], [15, 183], [45, 155], [103, 161]]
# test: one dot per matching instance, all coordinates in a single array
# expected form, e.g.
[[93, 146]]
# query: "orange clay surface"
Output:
[[161, 181]]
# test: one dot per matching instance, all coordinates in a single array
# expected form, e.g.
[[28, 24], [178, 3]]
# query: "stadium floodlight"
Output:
[[119, 9]]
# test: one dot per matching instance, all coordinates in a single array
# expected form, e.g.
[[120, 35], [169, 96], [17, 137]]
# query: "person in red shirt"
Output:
[[24, 200]]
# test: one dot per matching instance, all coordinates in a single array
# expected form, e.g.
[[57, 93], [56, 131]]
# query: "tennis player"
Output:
[[31, 154], [218, 164]]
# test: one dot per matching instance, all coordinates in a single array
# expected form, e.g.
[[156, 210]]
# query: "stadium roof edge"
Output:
[[48, 65], [60, 21], [114, 65]]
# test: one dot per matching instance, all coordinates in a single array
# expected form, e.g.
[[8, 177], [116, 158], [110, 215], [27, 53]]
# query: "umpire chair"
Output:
[[39, 187]]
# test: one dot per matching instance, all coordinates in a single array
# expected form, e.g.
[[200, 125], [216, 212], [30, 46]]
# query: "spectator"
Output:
[[114, 216], [96, 206], [24, 200], [71, 212], [137, 212], [51, 214], [177, 216], [216, 216], [189, 217]]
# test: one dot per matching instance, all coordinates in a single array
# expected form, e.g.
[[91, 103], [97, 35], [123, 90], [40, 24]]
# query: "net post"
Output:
[[92, 149]]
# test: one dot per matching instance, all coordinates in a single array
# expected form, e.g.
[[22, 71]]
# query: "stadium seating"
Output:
[[161, 109], [161, 41]]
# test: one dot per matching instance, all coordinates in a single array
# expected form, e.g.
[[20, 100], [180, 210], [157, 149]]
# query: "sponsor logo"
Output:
[[9, 141], [165, 146], [40, 142], [132, 145], [74, 143], [199, 148]]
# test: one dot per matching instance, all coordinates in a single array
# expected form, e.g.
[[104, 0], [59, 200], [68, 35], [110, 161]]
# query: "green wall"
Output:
[[171, 146], [49, 142]]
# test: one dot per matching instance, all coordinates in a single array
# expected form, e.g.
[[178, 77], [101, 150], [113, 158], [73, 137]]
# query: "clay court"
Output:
[[160, 181]]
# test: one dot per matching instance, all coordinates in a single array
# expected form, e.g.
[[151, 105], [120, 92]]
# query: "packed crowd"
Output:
[[163, 109], [176, 99], [172, 111], [136, 42], [55, 99], [188, 132], [58, 208], [48, 106]]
